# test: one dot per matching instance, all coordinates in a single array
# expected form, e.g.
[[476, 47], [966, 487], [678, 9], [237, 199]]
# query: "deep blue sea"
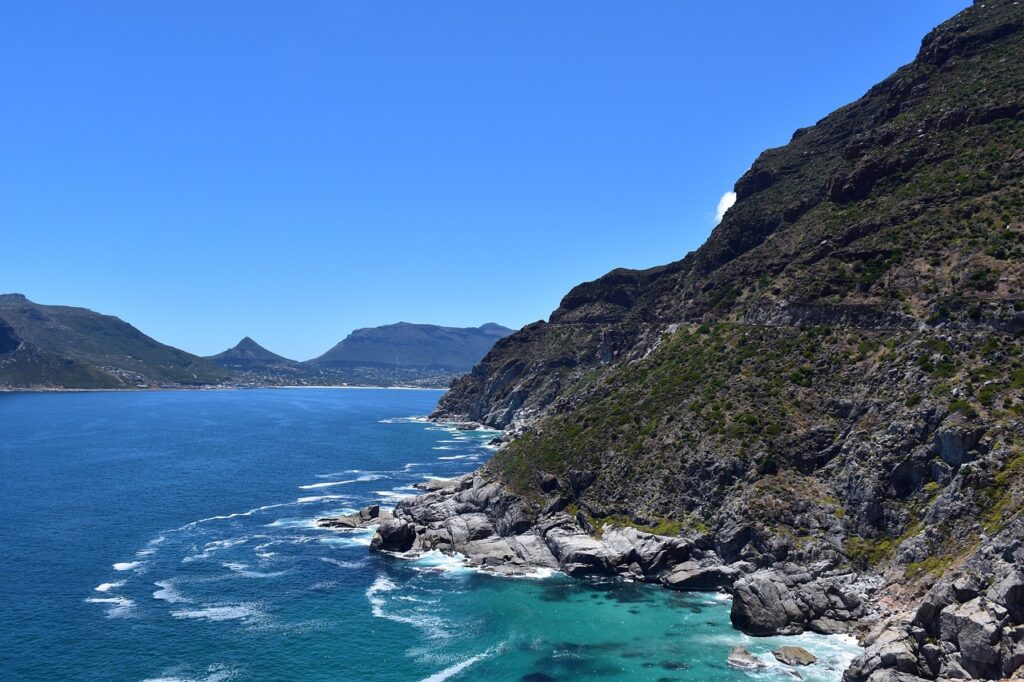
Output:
[[170, 536]]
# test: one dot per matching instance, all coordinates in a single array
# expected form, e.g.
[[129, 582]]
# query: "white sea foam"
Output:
[[434, 560], [404, 420], [117, 607], [393, 495], [453, 670], [215, 546], [126, 565], [221, 612], [349, 472], [293, 522], [244, 571], [433, 626], [444, 447], [343, 564], [107, 587], [215, 673], [224, 517], [452, 457], [168, 592], [352, 538], [150, 547], [326, 484]]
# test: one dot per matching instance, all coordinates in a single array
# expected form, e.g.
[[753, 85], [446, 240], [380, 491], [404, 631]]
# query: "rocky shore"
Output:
[[969, 625]]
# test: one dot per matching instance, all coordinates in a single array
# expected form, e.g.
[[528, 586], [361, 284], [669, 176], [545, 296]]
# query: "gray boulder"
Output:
[[690, 575], [976, 628], [794, 655], [1009, 592], [741, 659], [786, 601], [887, 650], [394, 535]]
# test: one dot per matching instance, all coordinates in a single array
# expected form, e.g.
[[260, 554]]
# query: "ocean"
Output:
[[170, 536]]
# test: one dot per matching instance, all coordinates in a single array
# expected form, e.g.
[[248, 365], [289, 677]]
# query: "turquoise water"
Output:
[[169, 536]]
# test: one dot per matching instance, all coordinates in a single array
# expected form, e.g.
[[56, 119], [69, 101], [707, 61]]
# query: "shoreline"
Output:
[[168, 389]]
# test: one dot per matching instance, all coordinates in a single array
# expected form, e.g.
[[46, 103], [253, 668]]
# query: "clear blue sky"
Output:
[[294, 170]]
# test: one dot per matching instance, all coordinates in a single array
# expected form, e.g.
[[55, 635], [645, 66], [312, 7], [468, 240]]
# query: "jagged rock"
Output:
[[887, 650], [691, 575], [652, 553], [1009, 593], [794, 655], [976, 628], [742, 659], [365, 517], [579, 554], [784, 601], [954, 444], [395, 535], [434, 484], [894, 676]]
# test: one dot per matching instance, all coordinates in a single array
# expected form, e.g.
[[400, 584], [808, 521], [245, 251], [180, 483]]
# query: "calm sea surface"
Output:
[[169, 536]]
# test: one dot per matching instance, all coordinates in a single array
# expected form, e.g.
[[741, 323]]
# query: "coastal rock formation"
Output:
[[794, 655], [480, 519], [823, 403], [787, 599], [820, 409], [366, 517], [741, 659]]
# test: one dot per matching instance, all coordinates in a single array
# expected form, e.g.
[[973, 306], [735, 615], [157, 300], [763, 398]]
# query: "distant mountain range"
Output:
[[394, 354], [49, 346]]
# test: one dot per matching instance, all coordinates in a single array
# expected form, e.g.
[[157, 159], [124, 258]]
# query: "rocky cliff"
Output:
[[822, 403]]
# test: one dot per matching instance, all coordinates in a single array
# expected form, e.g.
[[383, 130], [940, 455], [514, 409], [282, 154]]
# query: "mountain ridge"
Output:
[[819, 409], [407, 344], [65, 346]]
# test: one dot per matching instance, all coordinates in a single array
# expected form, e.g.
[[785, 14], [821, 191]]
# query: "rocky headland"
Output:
[[818, 411]]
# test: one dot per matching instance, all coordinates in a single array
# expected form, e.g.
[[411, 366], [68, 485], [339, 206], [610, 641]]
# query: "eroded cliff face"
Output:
[[831, 386]]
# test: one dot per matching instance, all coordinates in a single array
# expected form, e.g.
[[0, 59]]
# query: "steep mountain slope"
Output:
[[78, 348], [829, 389], [414, 346], [249, 355]]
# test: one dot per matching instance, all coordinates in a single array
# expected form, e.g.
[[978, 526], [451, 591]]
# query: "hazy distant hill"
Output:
[[414, 346], [49, 346], [248, 355], [60, 346]]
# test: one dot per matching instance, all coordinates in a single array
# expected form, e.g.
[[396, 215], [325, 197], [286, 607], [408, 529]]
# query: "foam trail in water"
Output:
[[433, 626], [224, 517], [220, 612], [168, 592], [119, 607], [404, 420], [150, 547], [453, 670], [325, 484], [106, 587], [215, 673], [126, 565]]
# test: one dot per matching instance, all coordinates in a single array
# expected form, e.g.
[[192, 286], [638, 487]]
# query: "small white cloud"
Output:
[[724, 204]]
